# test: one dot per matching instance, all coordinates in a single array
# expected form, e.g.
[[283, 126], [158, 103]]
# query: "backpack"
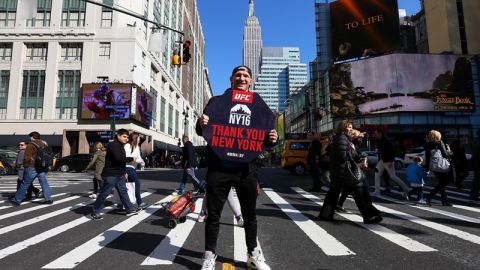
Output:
[[44, 158], [438, 163]]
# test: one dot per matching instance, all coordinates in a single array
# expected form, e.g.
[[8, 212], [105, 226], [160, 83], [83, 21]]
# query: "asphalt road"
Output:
[[61, 235]]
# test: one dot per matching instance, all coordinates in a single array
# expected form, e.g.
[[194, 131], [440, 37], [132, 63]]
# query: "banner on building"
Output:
[[401, 83], [102, 101], [239, 123], [363, 28]]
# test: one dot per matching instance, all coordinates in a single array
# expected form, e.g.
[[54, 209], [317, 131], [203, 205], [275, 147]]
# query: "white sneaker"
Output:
[[256, 260], [209, 261], [422, 201], [201, 218], [239, 221], [93, 196]]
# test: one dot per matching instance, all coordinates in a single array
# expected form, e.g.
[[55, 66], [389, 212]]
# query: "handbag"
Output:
[[130, 192], [353, 176], [438, 163]]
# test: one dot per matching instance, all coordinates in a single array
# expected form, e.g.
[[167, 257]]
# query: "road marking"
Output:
[[326, 242], [34, 200], [165, 252], [434, 210], [240, 247], [84, 251], [23, 211], [392, 236]]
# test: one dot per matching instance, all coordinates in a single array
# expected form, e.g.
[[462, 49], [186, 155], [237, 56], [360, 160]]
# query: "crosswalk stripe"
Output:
[[30, 209], [34, 200], [432, 225], [326, 242], [240, 247], [449, 191], [84, 251], [392, 236], [165, 252]]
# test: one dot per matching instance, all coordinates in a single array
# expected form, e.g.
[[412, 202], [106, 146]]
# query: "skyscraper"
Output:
[[281, 74], [252, 42]]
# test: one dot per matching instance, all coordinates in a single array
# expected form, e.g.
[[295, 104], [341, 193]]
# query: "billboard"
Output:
[[103, 101], [363, 28], [142, 110], [401, 82]]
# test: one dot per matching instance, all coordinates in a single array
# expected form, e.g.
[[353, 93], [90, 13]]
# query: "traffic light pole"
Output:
[[158, 25]]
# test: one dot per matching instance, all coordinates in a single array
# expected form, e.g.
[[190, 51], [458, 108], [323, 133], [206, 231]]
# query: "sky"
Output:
[[284, 23]]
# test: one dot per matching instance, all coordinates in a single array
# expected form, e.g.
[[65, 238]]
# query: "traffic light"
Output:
[[176, 60], [186, 51]]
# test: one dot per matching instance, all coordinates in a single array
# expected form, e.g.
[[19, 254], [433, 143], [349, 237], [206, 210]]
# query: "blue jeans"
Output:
[[475, 189], [184, 179], [133, 177], [29, 174], [108, 184]]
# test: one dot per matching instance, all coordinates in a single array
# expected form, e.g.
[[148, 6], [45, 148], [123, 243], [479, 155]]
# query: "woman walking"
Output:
[[132, 149], [434, 142], [342, 151], [99, 162]]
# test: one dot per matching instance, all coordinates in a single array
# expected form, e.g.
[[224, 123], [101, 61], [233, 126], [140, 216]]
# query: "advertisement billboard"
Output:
[[143, 107], [105, 100], [363, 28], [401, 82]]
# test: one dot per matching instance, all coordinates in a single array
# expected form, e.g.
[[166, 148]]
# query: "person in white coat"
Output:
[[132, 149]]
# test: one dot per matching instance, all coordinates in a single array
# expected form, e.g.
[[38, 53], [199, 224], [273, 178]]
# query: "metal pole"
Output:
[[161, 26]]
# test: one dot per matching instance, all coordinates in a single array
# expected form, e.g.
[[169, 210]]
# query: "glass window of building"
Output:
[[73, 13], [67, 94], [104, 50], [8, 13], [162, 113], [107, 14], [31, 103], [177, 121], [71, 51], [6, 52], [4, 84], [154, 94], [36, 51], [44, 14], [170, 119]]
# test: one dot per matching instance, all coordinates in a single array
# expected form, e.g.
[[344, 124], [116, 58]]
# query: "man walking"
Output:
[[189, 163], [32, 169], [386, 162], [22, 145], [313, 160], [113, 175]]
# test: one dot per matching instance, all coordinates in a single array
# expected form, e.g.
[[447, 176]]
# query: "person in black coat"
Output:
[[313, 160], [460, 163], [189, 163], [342, 150], [434, 141]]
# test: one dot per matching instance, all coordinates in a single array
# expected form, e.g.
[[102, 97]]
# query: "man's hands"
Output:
[[273, 136], [204, 120]]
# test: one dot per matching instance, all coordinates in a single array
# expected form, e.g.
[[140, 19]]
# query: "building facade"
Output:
[[281, 73], [45, 60], [252, 42]]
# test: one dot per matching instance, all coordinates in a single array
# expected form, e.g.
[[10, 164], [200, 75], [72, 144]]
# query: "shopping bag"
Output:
[[130, 192]]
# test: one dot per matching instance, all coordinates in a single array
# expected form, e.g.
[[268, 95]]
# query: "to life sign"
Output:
[[238, 126]]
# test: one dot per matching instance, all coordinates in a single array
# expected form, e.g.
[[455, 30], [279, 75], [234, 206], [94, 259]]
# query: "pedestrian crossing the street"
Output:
[[28, 229]]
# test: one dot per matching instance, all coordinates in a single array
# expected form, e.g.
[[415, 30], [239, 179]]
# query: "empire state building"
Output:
[[252, 42]]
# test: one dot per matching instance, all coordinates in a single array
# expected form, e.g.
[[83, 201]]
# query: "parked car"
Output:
[[8, 159], [372, 159], [76, 162], [419, 151]]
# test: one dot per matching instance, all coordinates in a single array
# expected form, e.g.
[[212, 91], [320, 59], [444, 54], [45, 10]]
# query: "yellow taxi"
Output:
[[294, 155]]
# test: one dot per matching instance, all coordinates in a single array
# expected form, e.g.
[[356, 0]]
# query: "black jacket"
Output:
[[429, 146], [189, 157], [386, 150], [115, 160], [340, 150], [314, 152], [213, 162]]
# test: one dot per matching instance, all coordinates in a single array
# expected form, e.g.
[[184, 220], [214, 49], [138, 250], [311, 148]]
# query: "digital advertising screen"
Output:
[[363, 28], [143, 107], [400, 83], [102, 101]]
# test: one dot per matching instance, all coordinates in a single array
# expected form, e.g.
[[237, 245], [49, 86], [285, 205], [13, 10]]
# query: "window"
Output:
[[5, 52], [73, 13], [71, 51], [170, 119], [44, 12], [8, 13], [107, 14], [104, 50], [4, 83], [31, 104], [162, 114], [154, 106], [153, 73], [36, 51], [177, 120]]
